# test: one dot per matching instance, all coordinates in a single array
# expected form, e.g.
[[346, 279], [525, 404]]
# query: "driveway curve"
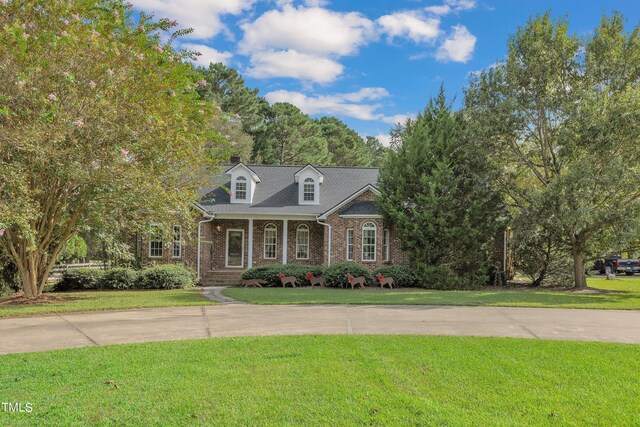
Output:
[[28, 334]]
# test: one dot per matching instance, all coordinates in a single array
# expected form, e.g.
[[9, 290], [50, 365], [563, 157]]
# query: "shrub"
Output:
[[336, 275], [120, 278], [402, 275], [168, 276], [443, 278], [269, 273], [80, 279]]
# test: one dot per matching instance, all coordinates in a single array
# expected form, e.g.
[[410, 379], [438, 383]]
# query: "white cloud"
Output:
[[451, 6], [207, 54], [397, 118], [307, 30], [385, 139], [461, 4], [201, 15], [352, 104], [458, 46], [442, 9], [410, 24], [293, 64]]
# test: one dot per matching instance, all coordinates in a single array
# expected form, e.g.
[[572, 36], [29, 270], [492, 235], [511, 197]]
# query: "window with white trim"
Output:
[[302, 242], [350, 244], [241, 188], [176, 251], [368, 241], [270, 241], [309, 190], [386, 249], [155, 244]]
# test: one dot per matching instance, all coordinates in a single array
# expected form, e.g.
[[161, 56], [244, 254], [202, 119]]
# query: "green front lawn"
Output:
[[625, 294], [328, 380], [106, 300]]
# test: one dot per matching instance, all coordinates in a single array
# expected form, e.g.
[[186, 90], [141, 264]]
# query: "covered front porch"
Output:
[[229, 246]]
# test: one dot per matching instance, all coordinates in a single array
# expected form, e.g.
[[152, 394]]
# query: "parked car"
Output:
[[618, 265]]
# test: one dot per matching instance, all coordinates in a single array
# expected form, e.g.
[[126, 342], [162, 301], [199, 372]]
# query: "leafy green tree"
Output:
[[437, 189], [243, 106], [74, 250], [562, 116], [376, 150], [291, 137], [100, 127], [346, 147]]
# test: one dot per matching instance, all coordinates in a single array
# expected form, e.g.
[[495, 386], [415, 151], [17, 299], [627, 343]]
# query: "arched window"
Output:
[[302, 242], [368, 241], [309, 190], [241, 188], [270, 241]]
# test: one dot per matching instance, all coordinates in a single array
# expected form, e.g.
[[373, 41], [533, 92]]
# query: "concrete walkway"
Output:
[[115, 327]]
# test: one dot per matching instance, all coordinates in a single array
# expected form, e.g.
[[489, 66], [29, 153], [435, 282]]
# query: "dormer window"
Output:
[[241, 188], [309, 190], [309, 180]]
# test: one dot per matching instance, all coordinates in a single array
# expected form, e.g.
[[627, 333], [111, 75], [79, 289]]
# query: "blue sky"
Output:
[[368, 62]]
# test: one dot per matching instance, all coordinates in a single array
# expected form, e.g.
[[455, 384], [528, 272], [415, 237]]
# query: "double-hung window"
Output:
[[241, 188], [386, 245], [270, 241], [309, 190], [155, 244], [176, 251], [350, 244], [302, 242]]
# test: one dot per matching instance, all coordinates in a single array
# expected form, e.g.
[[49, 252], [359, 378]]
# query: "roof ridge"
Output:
[[301, 166]]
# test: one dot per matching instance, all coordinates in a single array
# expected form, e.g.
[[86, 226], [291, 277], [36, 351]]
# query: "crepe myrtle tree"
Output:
[[100, 127]]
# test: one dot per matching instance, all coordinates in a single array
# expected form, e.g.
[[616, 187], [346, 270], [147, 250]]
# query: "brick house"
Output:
[[266, 214]]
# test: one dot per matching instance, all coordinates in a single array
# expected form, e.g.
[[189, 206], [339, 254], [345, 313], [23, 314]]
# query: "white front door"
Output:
[[235, 248]]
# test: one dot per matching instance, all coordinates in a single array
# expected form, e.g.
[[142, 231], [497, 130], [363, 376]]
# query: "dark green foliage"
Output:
[[437, 188], [346, 146], [444, 278], [269, 273], [336, 274], [120, 278], [80, 279], [402, 275], [9, 277], [167, 276]]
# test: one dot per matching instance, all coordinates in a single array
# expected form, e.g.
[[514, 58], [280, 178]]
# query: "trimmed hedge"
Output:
[[120, 278], [167, 276], [80, 279], [402, 275], [443, 278], [336, 274], [269, 273], [170, 276]]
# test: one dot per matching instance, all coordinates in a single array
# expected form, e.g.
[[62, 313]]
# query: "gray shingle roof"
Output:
[[277, 193], [364, 207]]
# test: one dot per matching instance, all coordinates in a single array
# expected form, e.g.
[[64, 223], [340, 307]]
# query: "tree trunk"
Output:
[[580, 279]]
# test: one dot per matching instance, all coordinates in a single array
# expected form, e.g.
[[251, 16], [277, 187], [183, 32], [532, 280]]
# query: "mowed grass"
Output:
[[107, 300], [329, 380], [624, 294]]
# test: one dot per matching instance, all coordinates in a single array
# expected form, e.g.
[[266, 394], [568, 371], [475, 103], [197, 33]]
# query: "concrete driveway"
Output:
[[116, 327]]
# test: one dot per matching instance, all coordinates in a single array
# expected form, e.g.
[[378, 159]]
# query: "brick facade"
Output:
[[214, 243], [339, 227]]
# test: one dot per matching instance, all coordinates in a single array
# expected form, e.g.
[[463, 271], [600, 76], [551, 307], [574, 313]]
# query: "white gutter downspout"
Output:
[[211, 218], [329, 240]]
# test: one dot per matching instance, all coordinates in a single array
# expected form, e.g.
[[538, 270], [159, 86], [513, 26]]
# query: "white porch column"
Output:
[[250, 243], [285, 240]]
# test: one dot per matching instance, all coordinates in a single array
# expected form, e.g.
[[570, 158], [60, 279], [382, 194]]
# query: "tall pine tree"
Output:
[[437, 189]]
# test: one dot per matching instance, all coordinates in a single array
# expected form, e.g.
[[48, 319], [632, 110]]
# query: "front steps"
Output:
[[222, 278]]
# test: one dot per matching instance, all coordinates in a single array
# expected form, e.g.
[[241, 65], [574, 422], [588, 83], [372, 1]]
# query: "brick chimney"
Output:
[[235, 160]]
